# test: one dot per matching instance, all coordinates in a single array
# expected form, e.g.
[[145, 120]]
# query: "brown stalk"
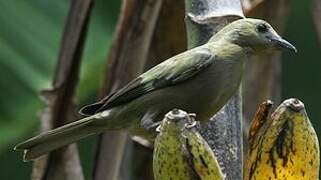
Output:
[[64, 163], [168, 40], [126, 61]]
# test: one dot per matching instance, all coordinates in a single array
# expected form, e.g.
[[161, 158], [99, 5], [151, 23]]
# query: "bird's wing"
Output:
[[168, 73]]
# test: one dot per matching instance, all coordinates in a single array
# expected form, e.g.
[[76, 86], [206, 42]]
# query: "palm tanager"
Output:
[[199, 80]]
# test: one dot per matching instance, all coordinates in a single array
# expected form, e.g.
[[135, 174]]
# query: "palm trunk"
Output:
[[224, 131]]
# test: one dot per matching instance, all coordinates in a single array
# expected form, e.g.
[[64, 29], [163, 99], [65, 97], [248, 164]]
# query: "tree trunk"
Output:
[[223, 132]]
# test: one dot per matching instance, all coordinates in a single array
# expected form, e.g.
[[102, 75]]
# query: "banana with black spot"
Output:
[[283, 146]]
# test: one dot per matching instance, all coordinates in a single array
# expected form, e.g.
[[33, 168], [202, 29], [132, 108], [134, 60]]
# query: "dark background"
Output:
[[30, 35]]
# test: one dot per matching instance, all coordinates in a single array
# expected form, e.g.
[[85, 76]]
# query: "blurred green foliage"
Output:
[[29, 42], [301, 73]]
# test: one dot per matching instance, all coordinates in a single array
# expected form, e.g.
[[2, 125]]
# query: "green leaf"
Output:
[[29, 44]]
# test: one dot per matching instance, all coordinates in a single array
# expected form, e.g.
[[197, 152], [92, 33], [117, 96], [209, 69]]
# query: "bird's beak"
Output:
[[283, 44]]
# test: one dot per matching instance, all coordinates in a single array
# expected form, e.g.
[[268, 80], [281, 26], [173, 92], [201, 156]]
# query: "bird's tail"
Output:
[[56, 138]]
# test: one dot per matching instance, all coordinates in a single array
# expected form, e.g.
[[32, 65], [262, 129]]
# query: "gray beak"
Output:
[[283, 44]]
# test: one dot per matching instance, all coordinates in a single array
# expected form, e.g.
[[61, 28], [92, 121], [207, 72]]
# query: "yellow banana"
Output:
[[283, 146]]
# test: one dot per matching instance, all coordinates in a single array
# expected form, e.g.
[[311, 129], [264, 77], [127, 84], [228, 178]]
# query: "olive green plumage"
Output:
[[284, 145], [199, 80], [180, 152]]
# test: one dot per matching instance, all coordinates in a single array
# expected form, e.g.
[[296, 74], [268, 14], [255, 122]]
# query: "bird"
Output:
[[200, 80], [180, 152], [282, 145]]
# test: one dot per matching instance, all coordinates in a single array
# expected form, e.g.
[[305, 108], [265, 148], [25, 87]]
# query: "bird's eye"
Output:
[[262, 28]]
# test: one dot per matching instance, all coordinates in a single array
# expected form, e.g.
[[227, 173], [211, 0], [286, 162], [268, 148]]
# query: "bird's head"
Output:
[[255, 34]]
